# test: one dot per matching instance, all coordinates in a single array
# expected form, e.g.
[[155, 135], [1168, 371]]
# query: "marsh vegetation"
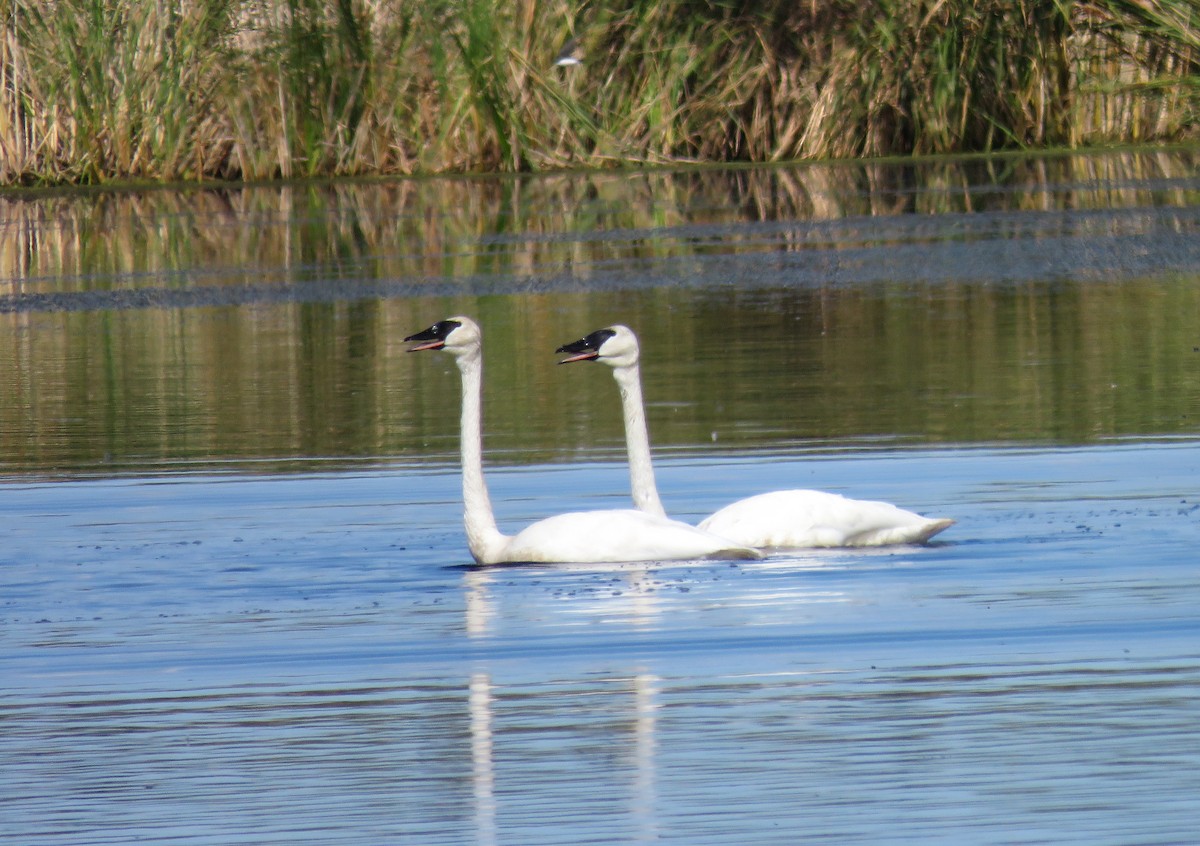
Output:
[[234, 89]]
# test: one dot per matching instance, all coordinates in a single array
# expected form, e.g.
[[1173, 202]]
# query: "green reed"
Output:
[[99, 90]]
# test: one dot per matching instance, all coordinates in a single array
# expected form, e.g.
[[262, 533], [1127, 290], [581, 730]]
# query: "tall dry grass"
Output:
[[100, 90]]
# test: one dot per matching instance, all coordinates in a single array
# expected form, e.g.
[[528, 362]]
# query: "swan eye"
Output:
[[437, 332], [597, 339], [441, 330]]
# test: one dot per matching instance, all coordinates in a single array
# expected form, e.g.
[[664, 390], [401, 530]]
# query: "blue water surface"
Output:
[[311, 658]]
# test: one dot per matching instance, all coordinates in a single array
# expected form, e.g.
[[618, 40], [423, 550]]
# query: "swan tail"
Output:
[[910, 534], [932, 528], [738, 553]]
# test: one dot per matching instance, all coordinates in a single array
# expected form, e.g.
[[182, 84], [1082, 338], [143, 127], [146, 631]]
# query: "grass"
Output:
[[99, 90]]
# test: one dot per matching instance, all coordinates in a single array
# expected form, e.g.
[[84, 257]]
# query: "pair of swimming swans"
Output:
[[783, 519], [585, 537]]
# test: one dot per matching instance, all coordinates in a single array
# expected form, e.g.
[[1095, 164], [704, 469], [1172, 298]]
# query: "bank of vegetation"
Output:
[[98, 90]]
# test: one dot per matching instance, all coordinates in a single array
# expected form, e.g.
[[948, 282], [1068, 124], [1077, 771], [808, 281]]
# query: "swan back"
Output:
[[593, 537], [800, 519]]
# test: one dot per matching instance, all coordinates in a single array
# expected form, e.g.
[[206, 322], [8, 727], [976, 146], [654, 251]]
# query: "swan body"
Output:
[[793, 519], [802, 518], [584, 537], [619, 535]]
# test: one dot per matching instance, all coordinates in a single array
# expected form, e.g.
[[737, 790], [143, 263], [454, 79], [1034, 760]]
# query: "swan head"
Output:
[[616, 346], [458, 335]]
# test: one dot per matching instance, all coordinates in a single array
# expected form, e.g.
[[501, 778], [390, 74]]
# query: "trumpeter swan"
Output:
[[581, 537], [777, 520]]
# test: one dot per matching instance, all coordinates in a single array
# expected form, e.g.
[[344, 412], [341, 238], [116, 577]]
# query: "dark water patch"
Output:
[[986, 248], [766, 367]]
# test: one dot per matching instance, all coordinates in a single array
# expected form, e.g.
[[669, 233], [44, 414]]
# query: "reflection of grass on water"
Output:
[[803, 358], [95, 91], [552, 225], [915, 363]]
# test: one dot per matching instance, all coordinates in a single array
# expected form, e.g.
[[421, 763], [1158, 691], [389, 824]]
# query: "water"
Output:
[[236, 604], [308, 659]]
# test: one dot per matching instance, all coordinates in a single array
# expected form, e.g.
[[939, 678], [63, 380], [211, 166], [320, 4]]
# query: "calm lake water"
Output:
[[236, 604]]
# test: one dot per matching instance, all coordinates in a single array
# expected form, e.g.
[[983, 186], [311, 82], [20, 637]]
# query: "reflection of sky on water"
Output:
[[309, 659]]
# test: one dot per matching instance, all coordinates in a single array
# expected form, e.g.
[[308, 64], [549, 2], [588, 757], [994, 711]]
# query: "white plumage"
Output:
[[791, 519], [580, 537]]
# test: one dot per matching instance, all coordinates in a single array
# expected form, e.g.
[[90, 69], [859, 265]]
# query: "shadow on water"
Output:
[[236, 604]]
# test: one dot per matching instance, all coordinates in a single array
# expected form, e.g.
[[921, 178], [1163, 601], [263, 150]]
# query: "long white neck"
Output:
[[484, 539], [637, 441]]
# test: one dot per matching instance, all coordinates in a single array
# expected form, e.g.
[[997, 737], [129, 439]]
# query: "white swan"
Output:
[[778, 520], [584, 537]]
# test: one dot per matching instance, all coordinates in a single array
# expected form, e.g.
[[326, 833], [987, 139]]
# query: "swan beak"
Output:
[[582, 350], [586, 348], [434, 338], [431, 339], [583, 356]]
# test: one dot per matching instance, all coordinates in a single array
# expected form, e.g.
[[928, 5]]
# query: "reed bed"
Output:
[[93, 91]]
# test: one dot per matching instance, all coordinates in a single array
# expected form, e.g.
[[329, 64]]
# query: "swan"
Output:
[[778, 520], [586, 537]]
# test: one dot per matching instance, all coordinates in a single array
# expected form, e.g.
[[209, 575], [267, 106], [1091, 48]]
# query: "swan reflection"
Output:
[[637, 695], [483, 772], [645, 746]]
